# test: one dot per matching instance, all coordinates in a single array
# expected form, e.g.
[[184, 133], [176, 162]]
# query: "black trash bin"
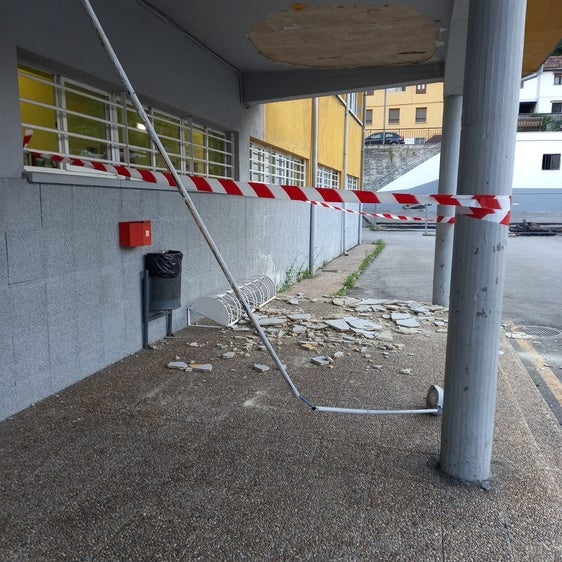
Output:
[[164, 271]]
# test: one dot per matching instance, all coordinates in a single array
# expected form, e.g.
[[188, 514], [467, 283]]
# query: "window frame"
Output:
[[216, 146]]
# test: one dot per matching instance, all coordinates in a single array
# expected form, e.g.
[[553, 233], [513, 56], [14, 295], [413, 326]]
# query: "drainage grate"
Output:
[[540, 331]]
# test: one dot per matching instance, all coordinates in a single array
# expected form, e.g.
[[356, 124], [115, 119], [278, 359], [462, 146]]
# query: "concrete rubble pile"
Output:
[[359, 326]]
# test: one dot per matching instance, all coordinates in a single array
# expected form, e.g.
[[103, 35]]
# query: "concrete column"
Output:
[[489, 120], [11, 148], [448, 168]]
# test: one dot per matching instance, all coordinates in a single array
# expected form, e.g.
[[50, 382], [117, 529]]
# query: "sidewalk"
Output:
[[142, 462]]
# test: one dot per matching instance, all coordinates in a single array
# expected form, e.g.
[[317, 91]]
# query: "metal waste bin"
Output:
[[164, 270]]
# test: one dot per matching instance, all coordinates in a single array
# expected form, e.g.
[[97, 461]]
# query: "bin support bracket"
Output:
[[147, 315]]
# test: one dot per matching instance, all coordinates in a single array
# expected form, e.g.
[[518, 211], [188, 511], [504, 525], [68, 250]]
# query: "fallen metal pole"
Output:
[[204, 231]]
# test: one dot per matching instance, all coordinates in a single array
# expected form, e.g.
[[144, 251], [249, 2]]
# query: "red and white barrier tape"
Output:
[[482, 207], [27, 137], [500, 217]]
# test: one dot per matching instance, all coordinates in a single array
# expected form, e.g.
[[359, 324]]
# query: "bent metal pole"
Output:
[[211, 243]]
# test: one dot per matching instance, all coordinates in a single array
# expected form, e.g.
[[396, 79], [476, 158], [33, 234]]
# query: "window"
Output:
[[353, 103], [326, 177], [272, 166], [352, 182], [421, 114], [370, 92], [551, 161], [558, 79], [394, 115], [557, 107], [76, 120], [396, 90], [369, 117], [421, 88]]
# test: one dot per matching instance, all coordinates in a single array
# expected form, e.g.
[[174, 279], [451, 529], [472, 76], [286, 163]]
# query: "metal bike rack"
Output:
[[226, 309]]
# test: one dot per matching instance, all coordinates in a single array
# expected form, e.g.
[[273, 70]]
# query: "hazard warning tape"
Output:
[[482, 207], [500, 217]]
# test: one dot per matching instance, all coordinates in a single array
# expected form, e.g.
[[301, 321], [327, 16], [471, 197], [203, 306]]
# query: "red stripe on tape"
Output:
[[295, 193], [123, 171], [405, 198], [148, 176], [230, 187], [329, 195], [261, 190], [201, 184]]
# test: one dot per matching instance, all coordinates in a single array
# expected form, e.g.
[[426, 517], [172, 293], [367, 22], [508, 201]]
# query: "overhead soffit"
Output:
[[543, 30], [346, 36]]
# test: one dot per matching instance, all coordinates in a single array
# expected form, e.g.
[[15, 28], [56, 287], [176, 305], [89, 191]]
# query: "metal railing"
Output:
[[539, 122], [418, 135]]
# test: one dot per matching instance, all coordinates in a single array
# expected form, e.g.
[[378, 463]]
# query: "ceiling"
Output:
[[284, 50]]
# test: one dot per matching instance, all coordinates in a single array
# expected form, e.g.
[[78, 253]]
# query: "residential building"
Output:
[[415, 112]]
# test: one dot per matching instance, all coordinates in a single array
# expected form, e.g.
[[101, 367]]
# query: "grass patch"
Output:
[[350, 282]]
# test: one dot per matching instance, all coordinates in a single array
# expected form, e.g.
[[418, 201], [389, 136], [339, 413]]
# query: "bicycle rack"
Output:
[[225, 308]]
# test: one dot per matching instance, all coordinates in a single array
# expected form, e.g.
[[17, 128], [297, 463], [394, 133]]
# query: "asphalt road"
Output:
[[532, 295]]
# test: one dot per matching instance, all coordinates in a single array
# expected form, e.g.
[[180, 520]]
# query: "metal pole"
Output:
[[344, 175], [448, 172], [384, 119], [211, 243], [184, 194], [313, 174], [489, 120]]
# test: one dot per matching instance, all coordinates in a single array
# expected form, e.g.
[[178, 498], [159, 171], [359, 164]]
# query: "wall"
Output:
[[382, 164], [71, 297]]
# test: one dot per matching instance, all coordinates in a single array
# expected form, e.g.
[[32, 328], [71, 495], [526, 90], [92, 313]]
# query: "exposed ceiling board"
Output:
[[346, 36], [543, 30]]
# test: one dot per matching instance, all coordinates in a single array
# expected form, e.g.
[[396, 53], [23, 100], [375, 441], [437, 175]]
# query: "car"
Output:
[[389, 138]]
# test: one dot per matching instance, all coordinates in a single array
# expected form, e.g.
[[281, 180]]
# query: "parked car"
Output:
[[389, 138]]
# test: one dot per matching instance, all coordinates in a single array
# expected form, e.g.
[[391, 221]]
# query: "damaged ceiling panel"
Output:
[[346, 36]]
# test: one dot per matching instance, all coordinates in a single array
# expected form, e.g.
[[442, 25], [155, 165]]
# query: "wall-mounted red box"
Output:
[[135, 233]]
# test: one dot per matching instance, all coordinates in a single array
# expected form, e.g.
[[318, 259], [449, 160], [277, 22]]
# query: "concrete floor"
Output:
[[141, 462]]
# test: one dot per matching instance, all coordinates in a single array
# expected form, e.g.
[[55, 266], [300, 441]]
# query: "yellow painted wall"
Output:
[[331, 112], [288, 126], [354, 147]]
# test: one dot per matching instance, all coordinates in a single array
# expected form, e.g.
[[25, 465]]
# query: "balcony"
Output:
[[539, 122]]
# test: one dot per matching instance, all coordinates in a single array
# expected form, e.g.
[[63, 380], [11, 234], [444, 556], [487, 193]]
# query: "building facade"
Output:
[[414, 112], [70, 293]]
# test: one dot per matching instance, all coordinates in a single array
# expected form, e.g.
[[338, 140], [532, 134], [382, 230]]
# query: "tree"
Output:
[[558, 48]]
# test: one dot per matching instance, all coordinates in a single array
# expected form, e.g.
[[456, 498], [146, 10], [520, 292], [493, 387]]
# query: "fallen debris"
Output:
[[261, 368], [181, 365]]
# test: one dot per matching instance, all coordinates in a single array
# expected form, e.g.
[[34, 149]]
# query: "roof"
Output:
[[553, 63]]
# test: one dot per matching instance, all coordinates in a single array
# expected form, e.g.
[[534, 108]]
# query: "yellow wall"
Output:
[[331, 114], [354, 148], [288, 127]]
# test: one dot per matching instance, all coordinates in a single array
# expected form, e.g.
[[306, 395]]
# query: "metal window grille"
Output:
[[352, 182], [551, 161], [326, 177], [273, 166], [78, 121]]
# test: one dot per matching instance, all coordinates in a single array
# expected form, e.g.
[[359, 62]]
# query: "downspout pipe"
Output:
[[313, 176]]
